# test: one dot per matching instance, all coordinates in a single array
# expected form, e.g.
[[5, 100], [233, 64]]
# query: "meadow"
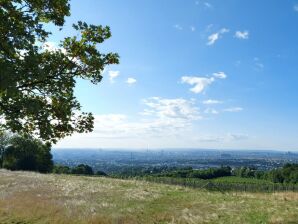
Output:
[[27, 197]]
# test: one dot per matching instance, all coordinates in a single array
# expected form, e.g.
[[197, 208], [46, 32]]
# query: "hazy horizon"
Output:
[[176, 149]]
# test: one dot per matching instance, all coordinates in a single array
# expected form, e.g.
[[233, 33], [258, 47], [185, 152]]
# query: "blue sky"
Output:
[[192, 74]]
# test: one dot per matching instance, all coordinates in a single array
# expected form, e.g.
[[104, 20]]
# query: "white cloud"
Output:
[[178, 27], [131, 81], [242, 34], [216, 36], [295, 7], [49, 46], [220, 75], [171, 108], [212, 38], [209, 102], [53, 47], [113, 75], [233, 109], [201, 83], [161, 118], [192, 28]]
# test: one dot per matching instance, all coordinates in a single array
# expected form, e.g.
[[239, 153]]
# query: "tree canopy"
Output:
[[26, 153], [37, 83]]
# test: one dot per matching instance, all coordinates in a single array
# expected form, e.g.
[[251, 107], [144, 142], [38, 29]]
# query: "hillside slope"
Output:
[[37, 198]]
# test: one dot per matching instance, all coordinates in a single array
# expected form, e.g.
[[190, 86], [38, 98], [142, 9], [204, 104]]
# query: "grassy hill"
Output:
[[36, 198]]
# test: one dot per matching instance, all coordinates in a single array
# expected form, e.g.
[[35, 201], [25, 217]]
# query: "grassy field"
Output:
[[36, 198]]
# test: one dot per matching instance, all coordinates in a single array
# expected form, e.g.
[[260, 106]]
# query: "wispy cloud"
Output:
[[200, 83], [131, 81], [220, 75], [229, 137], [258, 65], [208, 5], [216, 36], [113, 75], [295, 7], [242, 35], [210, 101], [210, 111], [178, 27], [192, 28], [233, 109]]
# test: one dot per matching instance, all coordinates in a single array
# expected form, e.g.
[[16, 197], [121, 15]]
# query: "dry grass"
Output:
[[35, 198]]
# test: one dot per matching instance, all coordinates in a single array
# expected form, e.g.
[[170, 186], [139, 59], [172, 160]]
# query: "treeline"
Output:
[[81, 169], [174, 172], [288, 174], [201, 174]]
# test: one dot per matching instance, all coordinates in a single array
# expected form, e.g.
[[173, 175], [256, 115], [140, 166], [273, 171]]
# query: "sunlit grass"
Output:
[[35, 198]]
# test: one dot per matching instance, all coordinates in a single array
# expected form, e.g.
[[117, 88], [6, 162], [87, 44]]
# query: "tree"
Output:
[[61, 169], [36, 82], [26, 153], [4, 141], [101, 173], [82, 169]]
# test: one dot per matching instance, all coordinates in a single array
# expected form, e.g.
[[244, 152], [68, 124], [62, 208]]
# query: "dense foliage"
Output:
[[81, 169], [287, 174], [202, 174], [61, 169], [37, 80], [25, 153], [4, 141]]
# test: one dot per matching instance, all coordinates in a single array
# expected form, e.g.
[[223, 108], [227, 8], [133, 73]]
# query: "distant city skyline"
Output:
[[192, 74]]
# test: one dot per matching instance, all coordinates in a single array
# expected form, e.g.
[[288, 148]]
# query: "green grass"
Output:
[[36, 198]]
